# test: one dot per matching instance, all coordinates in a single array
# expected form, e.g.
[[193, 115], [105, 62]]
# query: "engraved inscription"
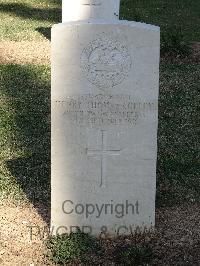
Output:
[[104, 110], [106, 62], [104, 152]]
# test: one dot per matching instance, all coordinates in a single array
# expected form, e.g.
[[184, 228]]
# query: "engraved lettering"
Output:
[[104, 110]]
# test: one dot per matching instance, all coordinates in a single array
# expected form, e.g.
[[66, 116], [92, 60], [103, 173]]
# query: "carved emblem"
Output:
[[106, 62]]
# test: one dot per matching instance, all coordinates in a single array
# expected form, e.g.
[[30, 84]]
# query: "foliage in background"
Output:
[[134, 255], [73, 248], [77, 248]]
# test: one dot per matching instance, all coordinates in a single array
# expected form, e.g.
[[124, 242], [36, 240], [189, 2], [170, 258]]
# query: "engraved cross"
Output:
[[103, 153]]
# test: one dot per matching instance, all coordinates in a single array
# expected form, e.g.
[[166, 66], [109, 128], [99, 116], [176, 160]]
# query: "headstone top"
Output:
[[75, 10]]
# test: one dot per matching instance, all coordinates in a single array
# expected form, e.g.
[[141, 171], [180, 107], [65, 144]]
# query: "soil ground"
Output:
[[175, 242], [25, 52]]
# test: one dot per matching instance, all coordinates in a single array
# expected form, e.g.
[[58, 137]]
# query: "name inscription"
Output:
[[104, 110]]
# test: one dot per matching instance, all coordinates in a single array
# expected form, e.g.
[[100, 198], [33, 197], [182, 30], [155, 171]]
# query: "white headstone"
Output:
[[75, 10], [105, 79]]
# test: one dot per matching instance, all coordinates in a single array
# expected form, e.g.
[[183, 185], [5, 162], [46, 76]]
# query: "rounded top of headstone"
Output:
[[75, 10]]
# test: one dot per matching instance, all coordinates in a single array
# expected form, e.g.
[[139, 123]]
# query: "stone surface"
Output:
[[104, 126], [89, 9]]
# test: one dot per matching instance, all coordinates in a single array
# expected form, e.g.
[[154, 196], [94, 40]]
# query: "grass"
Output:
[[173, 43], [178, 142], [25, 132], [32, 19], [167, 14], [28, 19]]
